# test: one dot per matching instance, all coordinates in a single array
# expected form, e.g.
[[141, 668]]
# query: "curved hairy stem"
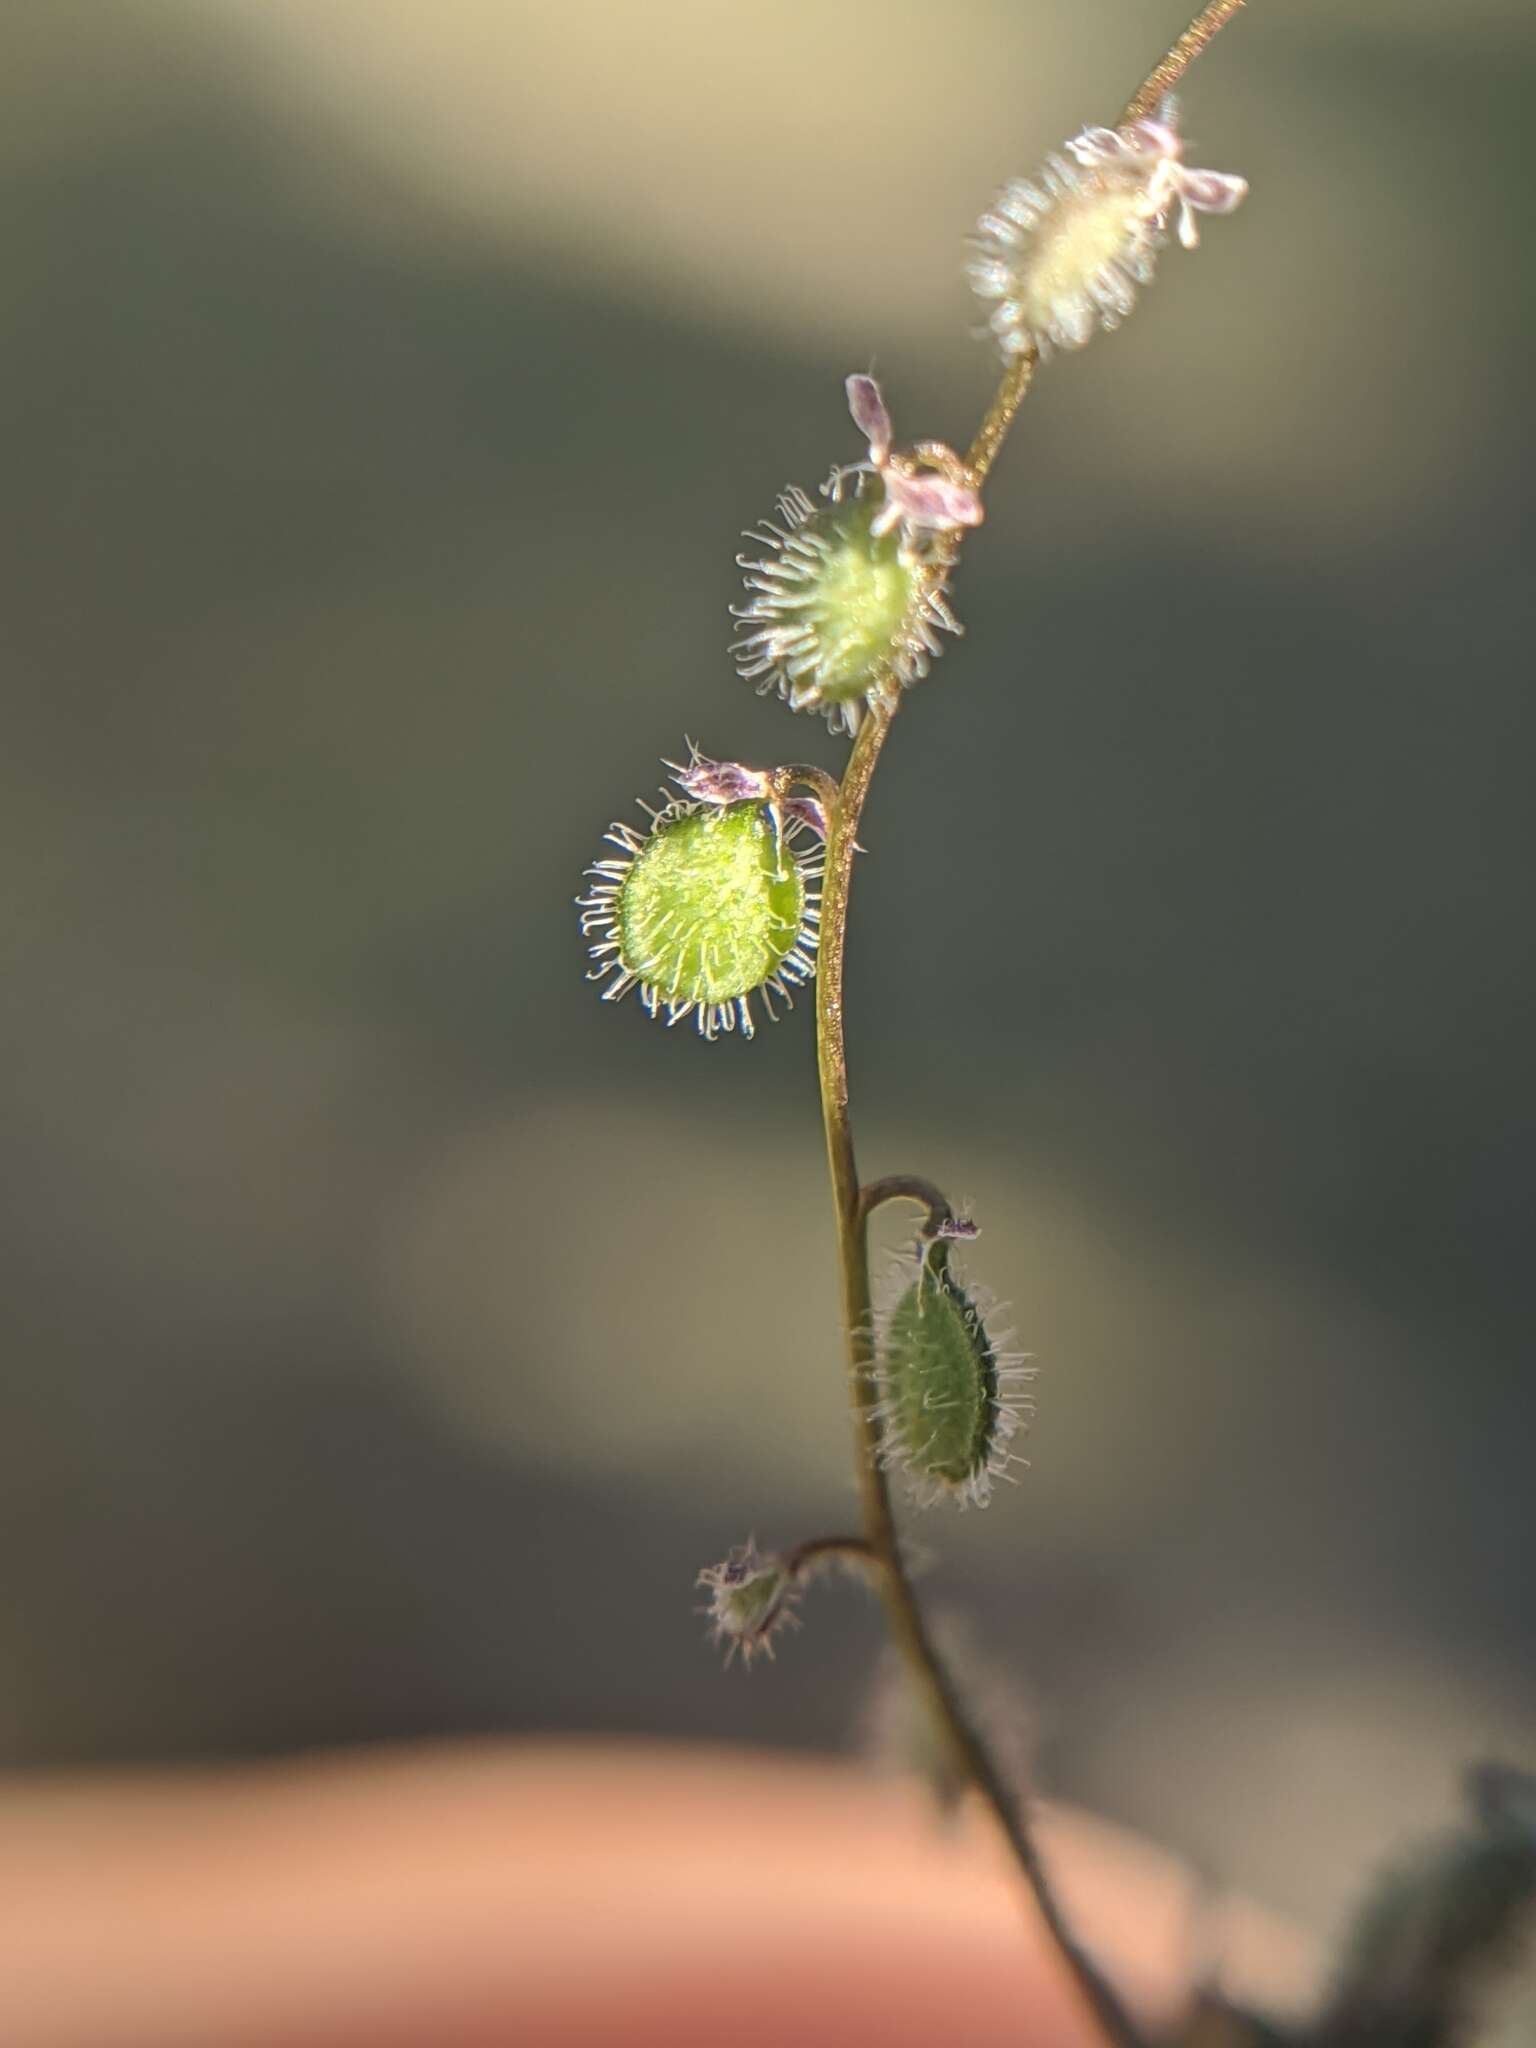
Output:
[[853, 1206], [849, 1550], [803, 775], [907, 1187]]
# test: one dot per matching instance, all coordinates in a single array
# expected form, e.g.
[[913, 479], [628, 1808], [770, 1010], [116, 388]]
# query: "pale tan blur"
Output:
[[570, 1896]]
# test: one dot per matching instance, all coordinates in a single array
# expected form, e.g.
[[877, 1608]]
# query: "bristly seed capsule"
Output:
[[847, 602], [715, 903], [952, 1398], [751, 1597], [1061, 254]]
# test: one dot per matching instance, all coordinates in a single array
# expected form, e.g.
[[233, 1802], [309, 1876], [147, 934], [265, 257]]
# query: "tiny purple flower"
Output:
[[870, 417], [918, 500], [721, 782], [925, 503], [810, 810]]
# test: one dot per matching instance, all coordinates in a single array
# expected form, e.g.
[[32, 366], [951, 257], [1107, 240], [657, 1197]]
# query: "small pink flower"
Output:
[[919, 500], [925, 503], [733, 782], [720, 782], [870, 417]]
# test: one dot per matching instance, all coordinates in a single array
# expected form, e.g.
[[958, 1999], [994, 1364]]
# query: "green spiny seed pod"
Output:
[[715, 903], [842, 604], [951, 1401]]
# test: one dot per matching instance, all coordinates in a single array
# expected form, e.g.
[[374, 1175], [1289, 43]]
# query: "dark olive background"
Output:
[[392, 1330]]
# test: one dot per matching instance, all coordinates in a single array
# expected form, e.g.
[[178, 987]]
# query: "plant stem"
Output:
[[853, 1204], [849, 1550], [1006, 400], [802, 773], [832, 1059], [906, 1187], [903, 1613], [1206, 25]]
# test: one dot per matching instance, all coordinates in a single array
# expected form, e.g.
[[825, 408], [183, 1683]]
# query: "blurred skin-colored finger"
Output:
[[554, 1894]]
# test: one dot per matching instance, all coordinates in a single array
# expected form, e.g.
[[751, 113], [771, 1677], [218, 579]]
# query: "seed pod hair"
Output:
[[714, 904], [952, 1398]]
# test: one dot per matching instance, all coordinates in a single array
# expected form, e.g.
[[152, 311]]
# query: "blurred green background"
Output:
[[393, 1331]]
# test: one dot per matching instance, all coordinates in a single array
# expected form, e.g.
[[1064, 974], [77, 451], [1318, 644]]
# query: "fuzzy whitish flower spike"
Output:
[[1061, 254], [848, 600], [716, 903], [952, 1398]]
